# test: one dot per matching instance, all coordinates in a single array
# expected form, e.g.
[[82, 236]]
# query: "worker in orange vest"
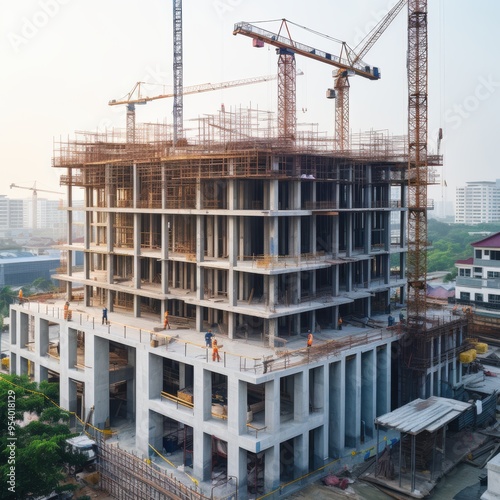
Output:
[[66, 309], [165, 321], [309, 338], [215, 350], [339, 323], [20, 296]]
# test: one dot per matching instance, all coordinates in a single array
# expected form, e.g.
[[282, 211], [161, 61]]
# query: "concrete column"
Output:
[[67, 359], [155, 432], [210, 235], [137, 263], [148, 385], [352, 400], [368, 375], [383, 380], [232, 285], [272, 291], [200, 256], [42, 337], [97, 379], [202, 393], [301, 396], [272, 406], [202, 456], [301, 454], [272, 468], [231, 324], [368, 214], [165, 237], [336, 415], [236, 407], [70, 354], [348, 223], [317, 386], [131, 384]]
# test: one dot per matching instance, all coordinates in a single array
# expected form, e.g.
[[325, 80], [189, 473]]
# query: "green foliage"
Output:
[[452, 242], [40, 451], [7, 297], [42, 285]]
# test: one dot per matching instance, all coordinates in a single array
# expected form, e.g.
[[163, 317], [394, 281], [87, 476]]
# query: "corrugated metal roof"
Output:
[[423, 415]]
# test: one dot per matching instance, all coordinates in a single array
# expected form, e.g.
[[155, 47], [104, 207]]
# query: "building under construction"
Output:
[[258, 236], [257, 241]]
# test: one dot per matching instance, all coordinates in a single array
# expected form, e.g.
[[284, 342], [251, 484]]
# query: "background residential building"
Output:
[[478, 279], [478, 202]]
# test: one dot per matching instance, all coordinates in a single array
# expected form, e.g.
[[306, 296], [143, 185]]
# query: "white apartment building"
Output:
[[11, 214], [478, 280], [478, 202]]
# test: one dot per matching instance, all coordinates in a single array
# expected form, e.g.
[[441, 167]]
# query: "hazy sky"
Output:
[[63, 60]]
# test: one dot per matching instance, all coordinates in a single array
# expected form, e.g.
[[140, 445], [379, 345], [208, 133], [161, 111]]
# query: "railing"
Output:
[[273, 261], [193, 350], [176, 400], [471, 282]]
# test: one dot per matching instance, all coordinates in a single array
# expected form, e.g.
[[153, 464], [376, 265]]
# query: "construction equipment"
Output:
[[135, 97], [346, 61], [178, 72], [82, 444], [34, 202], [417, 164], [341, 85], [349, 63]]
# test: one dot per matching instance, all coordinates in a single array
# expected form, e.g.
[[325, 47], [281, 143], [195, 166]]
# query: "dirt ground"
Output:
[[90, 491], [319, 491]]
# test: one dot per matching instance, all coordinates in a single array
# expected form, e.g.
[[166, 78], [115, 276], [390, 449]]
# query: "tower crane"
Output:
[[341, 84], [34, 200], [135, 97], [178, 72], [417, 164], [349, 62], [286, 49]]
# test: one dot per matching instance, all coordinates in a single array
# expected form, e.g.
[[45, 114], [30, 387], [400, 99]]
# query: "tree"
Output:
[[42, 285], [40, 454], [7, 297], [452, 242]]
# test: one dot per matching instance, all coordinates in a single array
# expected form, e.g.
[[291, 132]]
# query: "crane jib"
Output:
[[359, 68]]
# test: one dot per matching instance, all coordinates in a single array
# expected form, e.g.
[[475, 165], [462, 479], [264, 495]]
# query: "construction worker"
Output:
[[105, 315], [66, 310], [208, 338], [339, 323], [166, 324], [20, 296], [309, 338], [215, 350]]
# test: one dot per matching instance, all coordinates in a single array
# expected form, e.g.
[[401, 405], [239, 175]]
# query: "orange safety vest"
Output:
[[309, 340]]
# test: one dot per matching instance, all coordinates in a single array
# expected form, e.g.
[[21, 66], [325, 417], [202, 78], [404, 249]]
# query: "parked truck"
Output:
[[87, 447]]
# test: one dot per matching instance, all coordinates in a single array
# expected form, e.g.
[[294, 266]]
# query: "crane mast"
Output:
[[178, 72], [286, 49], [341, 84], [417, 164], [287, 91]]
